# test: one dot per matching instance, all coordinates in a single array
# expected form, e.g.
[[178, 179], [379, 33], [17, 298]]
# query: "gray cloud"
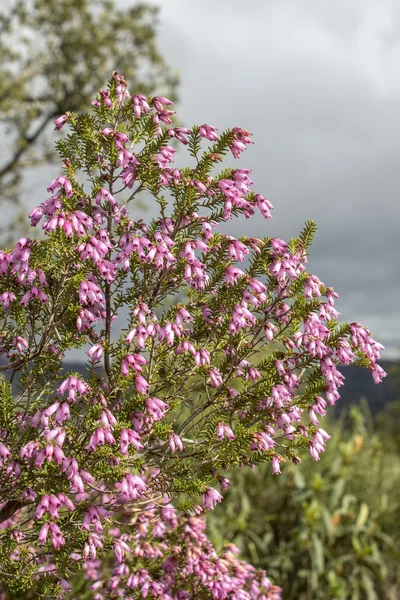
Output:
[[317, 85]]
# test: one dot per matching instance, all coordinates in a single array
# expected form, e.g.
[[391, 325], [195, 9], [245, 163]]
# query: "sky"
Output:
[[317, 83]]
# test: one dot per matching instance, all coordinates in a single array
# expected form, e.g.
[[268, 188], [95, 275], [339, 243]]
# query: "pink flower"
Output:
[[20, 343], [43, 533], [264, 206], [232, 275], [60, 122], [105, 94], [262, 442], [176, 176], [6, 298], [104, 194], [48, 504], [175, 442], [237, 250], [209, 132], [128, 436], [4, 452], [241, 318], [156, 408], [241, 139], [210, 498], [202, 358], [90, 547], [216, 378], [21, 251], [74, 386], [140, 105], [224, 431], [183, 315], [100, 437], [33, 293], [96, 352], [344, 352], [132, 360], [66, 501], [275, 465], [64, 584], [312, 287], [131, 487], [57, 538], [141, 385], [120, 548], [179, 133], [62, 413], [224, 483], [158, 102], [378, 373], [165, 156], [35, 215], [93, 517], [61, 182]]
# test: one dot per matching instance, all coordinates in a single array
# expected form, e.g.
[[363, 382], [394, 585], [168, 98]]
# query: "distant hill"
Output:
[[358, 384], [75, 366]]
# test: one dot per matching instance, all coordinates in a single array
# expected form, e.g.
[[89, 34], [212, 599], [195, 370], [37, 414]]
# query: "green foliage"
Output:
[[308, 233], [323, 530], [6, 404]]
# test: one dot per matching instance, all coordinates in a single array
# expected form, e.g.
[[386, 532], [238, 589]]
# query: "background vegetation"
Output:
[[325, 530]]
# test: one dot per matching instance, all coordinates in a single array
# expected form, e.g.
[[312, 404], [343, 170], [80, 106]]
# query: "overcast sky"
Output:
[[317, 82]]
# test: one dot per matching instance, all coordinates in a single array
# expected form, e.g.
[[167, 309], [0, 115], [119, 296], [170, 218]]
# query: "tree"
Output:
[[114, 467], [55, 56]]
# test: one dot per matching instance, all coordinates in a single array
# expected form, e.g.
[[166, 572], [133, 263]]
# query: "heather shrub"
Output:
[[195, 365]]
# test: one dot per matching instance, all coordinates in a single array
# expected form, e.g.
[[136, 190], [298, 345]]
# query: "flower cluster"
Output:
[[177, 561], [217, 365]]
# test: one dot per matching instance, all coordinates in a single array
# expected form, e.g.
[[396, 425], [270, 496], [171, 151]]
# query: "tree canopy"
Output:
[[55, 56]]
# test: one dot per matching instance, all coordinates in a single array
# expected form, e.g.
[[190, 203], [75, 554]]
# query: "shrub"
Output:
[[215, 367]]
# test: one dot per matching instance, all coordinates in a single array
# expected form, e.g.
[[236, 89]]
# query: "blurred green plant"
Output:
[[388, 421], [328, 531], [55, 56]]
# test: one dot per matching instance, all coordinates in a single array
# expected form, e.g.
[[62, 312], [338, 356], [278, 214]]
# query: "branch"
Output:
[[9, 510], [29, 140]]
